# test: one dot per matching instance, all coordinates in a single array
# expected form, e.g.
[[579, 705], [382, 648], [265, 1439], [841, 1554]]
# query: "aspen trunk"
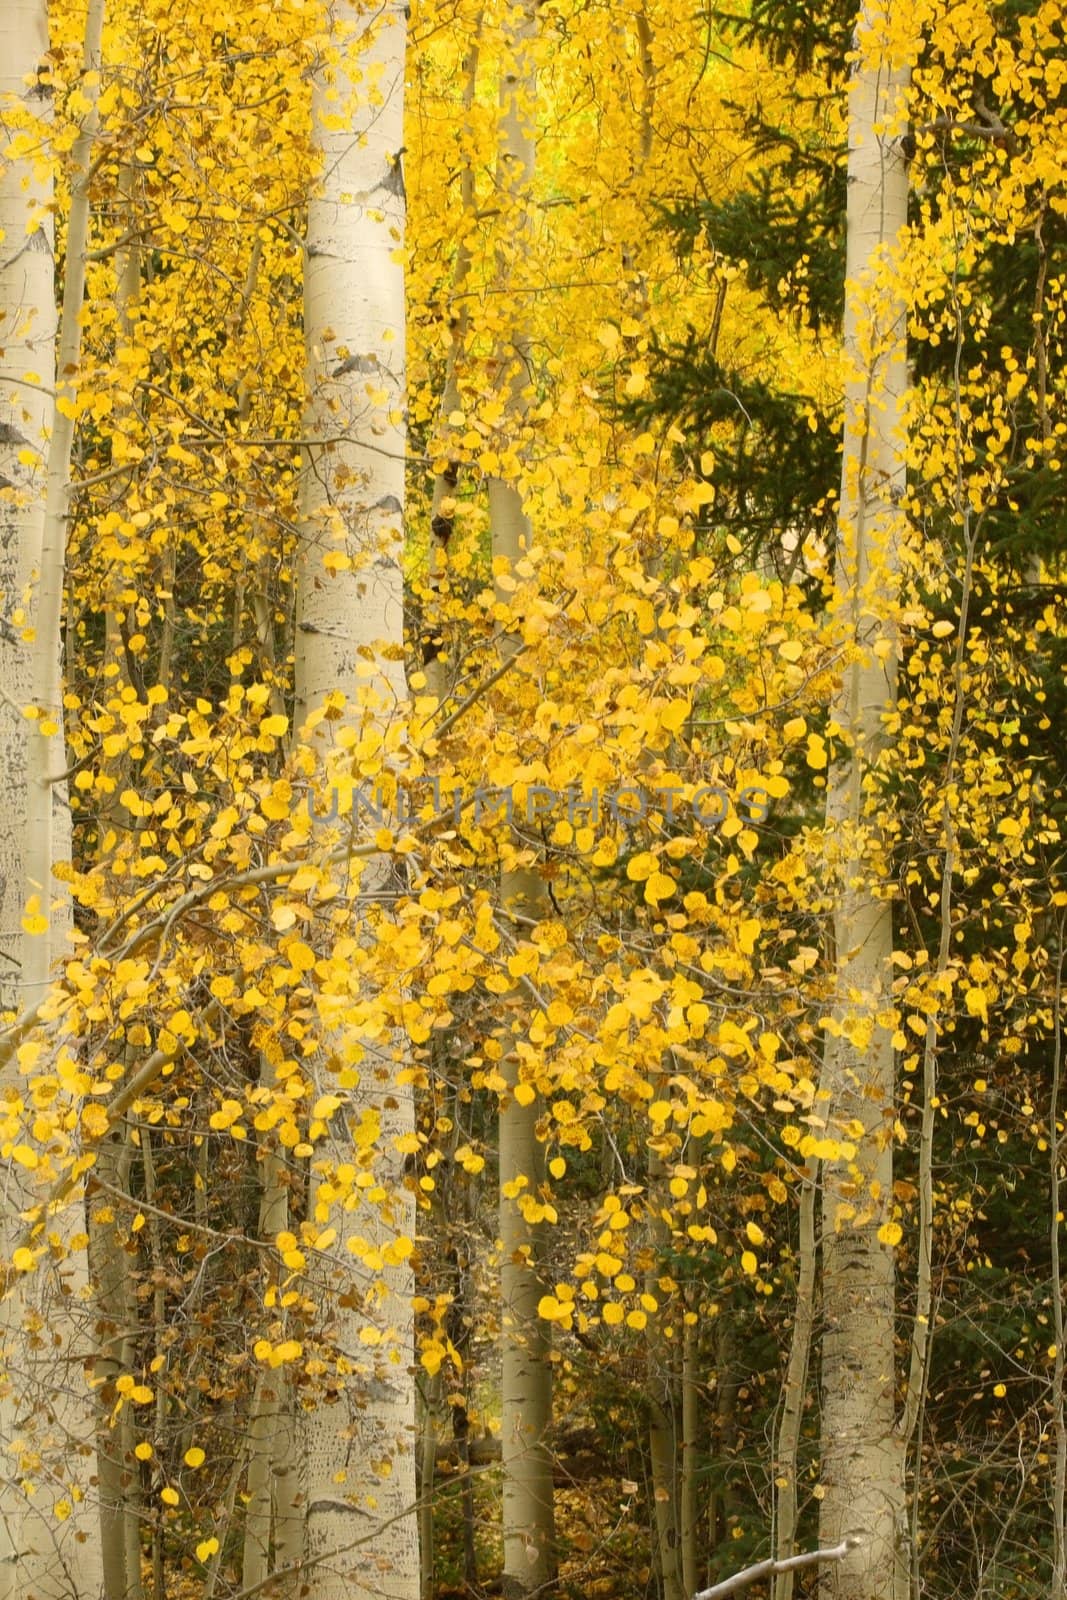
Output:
[[862, 1453], [287, 1492], [49, 1532], [663, 1456], [159, 1323], [664, 1441], [121, 1509], [427, 1471], [787, 1444], [723, 1507], [28, 332], [116, 1309], [526, 1381], [688, 1497], [526, 1400], [361, 1531], [264, 1427]]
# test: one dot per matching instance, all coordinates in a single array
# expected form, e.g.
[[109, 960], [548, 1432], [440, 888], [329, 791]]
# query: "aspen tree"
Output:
[[361, 1535], [526, 1382], [862, 1454], [49, 1535]]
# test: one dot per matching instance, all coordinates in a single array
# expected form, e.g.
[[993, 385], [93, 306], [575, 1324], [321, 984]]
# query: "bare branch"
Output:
[[768, 1568]]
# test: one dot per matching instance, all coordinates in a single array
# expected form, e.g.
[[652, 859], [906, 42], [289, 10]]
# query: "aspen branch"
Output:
[[771, 1567], [116, 1109], [495, 676]]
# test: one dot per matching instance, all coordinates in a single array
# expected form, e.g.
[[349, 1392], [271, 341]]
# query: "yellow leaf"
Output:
[[816, 752], [206, 1548], [674, 716], [23, 1260], [975, 1002], [303, 958], [890, 1233], [226, 1116], [748, 1262], [95, 1121], [659, 887]]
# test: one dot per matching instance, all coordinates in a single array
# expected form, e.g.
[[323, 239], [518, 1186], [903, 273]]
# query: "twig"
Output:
[[768, 1568]]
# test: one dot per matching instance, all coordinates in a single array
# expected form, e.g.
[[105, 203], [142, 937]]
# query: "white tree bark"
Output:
[[862, 1454], [526, 1380], [264, 1430], [49, 1532], [27, 375], [787, 1443], [526, 1370], [361, 1532]]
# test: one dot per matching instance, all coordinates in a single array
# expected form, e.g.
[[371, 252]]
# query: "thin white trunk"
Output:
[[27, 335], [361, 1528], [427, 1470], [115, 1337], [526, 1378], [663, 1459], [49, 1533], [787, 1444], [664, 1441], [862, 1450], [287, 1493], [688, 1499], [264, 1422], [47, 813], [121, 1509]]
